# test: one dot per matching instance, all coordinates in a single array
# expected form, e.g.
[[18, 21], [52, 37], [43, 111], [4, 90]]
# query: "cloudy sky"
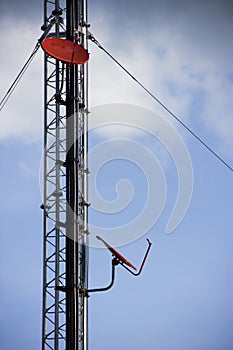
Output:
[[182, 51]]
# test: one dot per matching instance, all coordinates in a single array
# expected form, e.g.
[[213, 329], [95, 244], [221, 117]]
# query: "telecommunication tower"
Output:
[[65, 184], [65, 174], [65, 204]]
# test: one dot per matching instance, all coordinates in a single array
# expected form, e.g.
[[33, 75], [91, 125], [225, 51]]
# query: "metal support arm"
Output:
[[115, 262], [143, 262]]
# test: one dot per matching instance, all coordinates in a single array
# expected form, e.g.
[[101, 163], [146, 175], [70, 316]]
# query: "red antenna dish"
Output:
[[65, 50], [115, 252]]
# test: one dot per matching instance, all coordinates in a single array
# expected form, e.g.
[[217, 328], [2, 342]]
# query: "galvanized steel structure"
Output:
[[65, 185]]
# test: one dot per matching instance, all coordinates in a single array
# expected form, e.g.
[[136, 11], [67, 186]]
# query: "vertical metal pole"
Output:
[[76, 248], [71, 186]]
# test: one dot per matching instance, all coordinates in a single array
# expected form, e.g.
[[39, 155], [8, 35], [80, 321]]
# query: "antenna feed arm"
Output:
[[119, 259], [143, 261], [123, 261]]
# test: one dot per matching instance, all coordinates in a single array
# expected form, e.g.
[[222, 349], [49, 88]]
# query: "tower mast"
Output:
[[65, 185]]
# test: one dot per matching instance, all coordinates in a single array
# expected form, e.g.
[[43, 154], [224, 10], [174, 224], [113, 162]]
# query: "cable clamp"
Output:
[[91, 37]]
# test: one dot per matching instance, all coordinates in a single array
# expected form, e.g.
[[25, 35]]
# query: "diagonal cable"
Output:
[[92, 38], [19, 76]]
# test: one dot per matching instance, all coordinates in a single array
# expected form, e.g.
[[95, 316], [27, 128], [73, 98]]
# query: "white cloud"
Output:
[[189, 71], [21, 117], [183, 68]]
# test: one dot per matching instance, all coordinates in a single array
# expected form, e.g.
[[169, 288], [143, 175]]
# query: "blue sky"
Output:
[[182, 51]]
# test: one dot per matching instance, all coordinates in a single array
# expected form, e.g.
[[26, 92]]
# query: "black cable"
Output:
[[19, 76], [91, 37]]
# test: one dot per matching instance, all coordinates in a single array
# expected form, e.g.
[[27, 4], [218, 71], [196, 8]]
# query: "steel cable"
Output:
[[19, 76], [92, 38]]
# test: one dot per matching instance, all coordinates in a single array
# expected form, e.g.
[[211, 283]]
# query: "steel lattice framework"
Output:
[[65, 185]]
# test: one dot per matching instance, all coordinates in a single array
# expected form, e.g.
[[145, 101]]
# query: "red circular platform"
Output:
[[65, 50]]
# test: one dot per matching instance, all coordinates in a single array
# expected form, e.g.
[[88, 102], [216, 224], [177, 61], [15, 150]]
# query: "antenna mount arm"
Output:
[[143, 261], [115, 262]]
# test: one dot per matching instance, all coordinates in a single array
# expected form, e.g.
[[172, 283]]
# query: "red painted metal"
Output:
[[65, 50], [116, 253]]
